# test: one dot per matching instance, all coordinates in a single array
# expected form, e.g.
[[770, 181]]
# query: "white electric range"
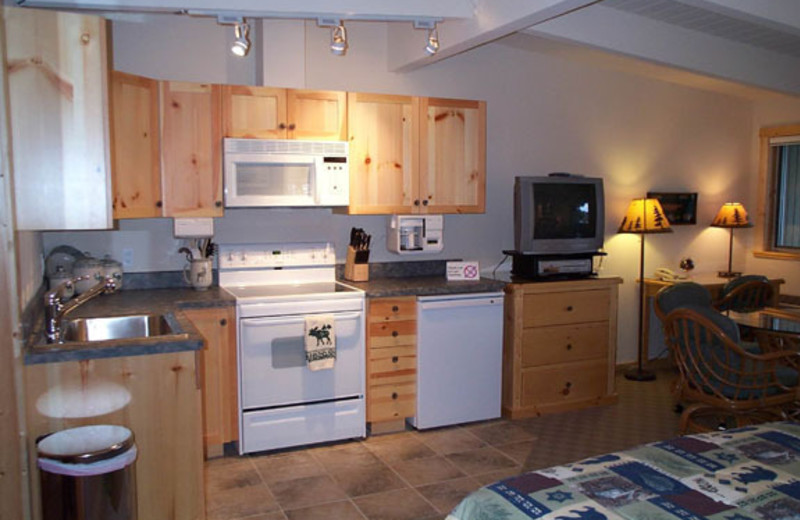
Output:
[[282, 402]]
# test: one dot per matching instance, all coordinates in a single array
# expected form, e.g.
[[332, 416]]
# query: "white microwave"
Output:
[[284, 172]]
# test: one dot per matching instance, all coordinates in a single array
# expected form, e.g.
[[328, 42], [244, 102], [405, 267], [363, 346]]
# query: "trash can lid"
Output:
[[86, 444]]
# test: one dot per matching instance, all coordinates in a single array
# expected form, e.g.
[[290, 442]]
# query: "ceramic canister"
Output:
[[112, 269], [91, 267]]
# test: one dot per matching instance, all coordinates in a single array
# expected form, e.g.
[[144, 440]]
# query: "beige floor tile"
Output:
[[404, 446], [238, 502], [367, 479], [446, 495], [401, 504], [425, 471], [230, 472], [519, 451], [502, 432], [344, 510], [482, 460], [451, 440], [493, 476], [307, 491], [289, 466]]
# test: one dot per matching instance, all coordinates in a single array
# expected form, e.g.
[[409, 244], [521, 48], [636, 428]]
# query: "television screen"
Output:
[[563, 211]]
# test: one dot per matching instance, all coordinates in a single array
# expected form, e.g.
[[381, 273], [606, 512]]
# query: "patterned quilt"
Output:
[[747, 473]]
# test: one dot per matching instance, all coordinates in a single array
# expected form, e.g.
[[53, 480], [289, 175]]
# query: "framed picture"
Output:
[[679, 208]]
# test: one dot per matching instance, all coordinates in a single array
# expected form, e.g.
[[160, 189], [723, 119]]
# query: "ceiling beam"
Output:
[[492, 19], [640, 37]]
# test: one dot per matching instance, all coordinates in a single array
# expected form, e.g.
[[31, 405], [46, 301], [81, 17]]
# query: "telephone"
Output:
[[668, 275]]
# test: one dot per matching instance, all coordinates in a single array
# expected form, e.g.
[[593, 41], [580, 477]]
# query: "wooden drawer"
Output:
[[392, 365], [392, 334], [392, 309], [390, 402], [564, 344], [565, 383], [565, 307]]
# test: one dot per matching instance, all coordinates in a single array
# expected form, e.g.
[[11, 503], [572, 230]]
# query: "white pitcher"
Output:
[[198, 273]]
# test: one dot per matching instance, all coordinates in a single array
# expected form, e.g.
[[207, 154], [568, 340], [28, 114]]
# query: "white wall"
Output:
[[544, 114]]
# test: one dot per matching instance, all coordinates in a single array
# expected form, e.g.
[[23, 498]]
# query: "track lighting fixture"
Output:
[[338, 40], [432, 47], [241, 45]]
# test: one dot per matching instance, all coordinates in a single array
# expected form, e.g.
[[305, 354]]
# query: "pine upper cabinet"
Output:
[[191, 149], [383, 153], [452, 165], [416, 155], [276, 113], [135, 150], [57, 70]]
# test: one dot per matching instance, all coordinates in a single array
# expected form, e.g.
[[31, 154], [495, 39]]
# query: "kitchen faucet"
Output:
[[55, 310]]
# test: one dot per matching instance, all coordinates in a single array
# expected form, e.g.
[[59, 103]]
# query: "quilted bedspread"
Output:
[[747, 473]]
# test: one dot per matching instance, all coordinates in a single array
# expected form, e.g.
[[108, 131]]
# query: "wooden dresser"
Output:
[[391, 362], [559, 346]]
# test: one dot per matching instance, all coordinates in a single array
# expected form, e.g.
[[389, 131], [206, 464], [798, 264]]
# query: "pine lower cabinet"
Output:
[[156, 396], [559, 346], [218, 368], [391, 362]]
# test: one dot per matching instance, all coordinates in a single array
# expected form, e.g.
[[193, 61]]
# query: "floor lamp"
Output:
[[731, 215], [644, 216]]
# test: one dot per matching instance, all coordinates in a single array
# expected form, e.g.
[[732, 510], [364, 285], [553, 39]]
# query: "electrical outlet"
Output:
[[127, 257]]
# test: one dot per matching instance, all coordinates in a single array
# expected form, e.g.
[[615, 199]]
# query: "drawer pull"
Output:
[[569, 308], [395, 359], [395, 308], [566, 389], [394, 334], [394, 395], [223, 322], [569, 346]]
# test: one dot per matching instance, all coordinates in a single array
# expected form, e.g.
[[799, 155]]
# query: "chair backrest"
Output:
[[745, 294], [706, 349], [680, 295]]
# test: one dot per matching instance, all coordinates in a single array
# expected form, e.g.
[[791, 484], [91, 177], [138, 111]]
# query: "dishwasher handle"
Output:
[[453, 303]]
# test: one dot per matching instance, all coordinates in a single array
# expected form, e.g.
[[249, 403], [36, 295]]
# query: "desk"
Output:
[[767, 320], [713, 283]]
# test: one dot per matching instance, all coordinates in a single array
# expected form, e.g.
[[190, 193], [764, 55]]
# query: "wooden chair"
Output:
[[725, 384], [745, 294]]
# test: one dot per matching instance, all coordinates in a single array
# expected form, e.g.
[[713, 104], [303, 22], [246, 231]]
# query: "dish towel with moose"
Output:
[[320, 341]]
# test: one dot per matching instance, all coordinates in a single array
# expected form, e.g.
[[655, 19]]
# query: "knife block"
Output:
[[356, 267]]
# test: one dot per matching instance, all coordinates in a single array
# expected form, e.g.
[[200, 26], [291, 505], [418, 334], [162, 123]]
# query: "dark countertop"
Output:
[[423, 286], [168, 302]]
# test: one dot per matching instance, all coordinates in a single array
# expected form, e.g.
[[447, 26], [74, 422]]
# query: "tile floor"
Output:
[[422, 475]]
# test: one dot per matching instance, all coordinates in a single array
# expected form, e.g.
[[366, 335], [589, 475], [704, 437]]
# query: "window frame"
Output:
[[767, 190]]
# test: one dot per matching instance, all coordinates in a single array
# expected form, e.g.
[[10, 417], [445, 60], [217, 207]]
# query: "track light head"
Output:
[[338, 40], [432, 47], [241, 45]]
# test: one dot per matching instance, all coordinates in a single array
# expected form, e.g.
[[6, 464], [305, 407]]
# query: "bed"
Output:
[[750, 473]]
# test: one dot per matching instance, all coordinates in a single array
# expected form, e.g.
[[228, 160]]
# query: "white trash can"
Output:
[[87, 473]]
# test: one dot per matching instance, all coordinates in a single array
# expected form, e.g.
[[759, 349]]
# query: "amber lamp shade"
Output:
[[731, 215], [644, 216]]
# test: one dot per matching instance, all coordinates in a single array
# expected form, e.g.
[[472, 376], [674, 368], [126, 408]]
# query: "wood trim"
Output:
[[779, 131], [777, 255]]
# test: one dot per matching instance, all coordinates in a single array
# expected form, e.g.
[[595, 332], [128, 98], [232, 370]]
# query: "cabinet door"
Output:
[[156, 396], [452, 156], [317, 115], [58, 96], [218, 366], [191, 150], [135, 153], [383, 153], [254, 112]]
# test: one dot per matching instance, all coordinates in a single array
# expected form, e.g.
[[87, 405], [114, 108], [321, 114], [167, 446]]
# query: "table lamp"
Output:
[[731, 215], [643, 216]]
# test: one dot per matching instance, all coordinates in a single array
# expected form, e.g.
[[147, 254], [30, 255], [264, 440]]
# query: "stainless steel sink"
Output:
[[121, 327]]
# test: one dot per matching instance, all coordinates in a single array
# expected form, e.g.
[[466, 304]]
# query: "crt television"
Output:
[[558, 214]]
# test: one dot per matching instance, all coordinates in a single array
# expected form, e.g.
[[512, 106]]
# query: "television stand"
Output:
[[552, 266]]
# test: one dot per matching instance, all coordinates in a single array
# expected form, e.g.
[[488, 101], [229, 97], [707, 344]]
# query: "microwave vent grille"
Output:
[[286, 146]]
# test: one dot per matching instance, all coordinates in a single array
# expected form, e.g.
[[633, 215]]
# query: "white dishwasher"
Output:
[[459, 358]]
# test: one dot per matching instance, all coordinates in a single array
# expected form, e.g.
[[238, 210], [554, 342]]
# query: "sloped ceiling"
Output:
[[751, 42]]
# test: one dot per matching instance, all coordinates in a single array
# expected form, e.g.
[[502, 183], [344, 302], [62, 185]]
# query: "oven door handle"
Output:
[[280, 320]]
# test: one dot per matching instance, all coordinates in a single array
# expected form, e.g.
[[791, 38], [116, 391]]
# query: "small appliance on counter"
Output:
[[407, 234]]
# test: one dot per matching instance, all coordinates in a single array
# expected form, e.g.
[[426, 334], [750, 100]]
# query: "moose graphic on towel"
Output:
[[322, 334]]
